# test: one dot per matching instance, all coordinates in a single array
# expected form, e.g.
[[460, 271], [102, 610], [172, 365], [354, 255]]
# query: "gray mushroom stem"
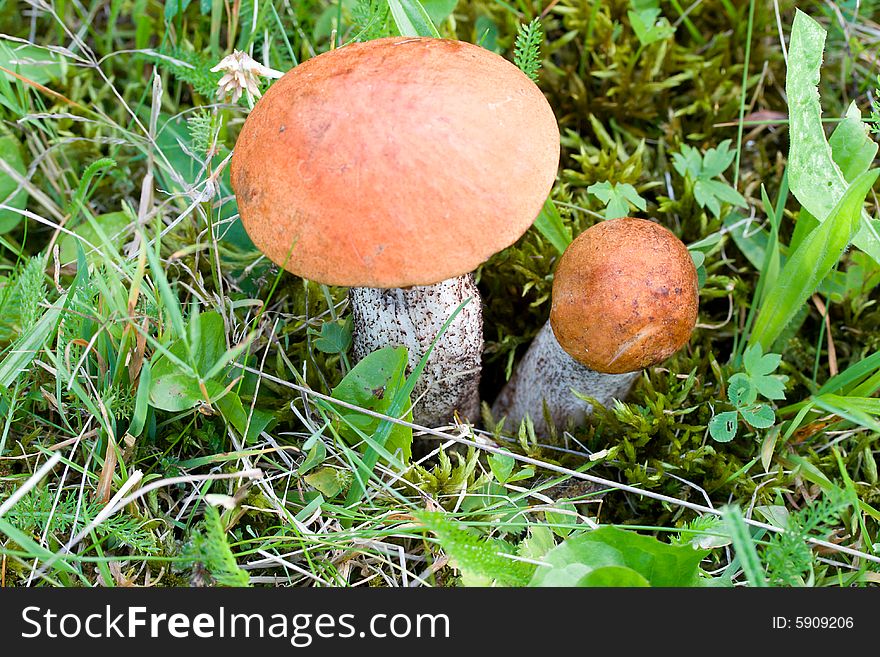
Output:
[[412, 318], [546, 376]]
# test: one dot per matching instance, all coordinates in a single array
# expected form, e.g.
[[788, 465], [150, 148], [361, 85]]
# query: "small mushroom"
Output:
[[625, 297], [396, 167]]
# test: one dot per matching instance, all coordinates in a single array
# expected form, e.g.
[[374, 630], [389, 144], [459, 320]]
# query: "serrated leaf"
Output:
[[334, 337], [756, 363], [723, 426], [741, 391], [717, 160], [617, 198], [502, 466], [771, 387], [647, 28], [760, 416]]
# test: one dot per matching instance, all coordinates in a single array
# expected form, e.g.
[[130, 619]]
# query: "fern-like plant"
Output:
[[209, 550], [527, 50]]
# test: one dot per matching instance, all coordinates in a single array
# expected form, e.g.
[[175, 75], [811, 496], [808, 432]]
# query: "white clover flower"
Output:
[[241, 75]]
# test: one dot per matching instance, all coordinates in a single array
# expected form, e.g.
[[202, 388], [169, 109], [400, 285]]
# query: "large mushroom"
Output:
[[396, 167], [625, 297]]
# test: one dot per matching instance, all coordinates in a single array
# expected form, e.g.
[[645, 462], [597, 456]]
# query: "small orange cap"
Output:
[[625, 296]]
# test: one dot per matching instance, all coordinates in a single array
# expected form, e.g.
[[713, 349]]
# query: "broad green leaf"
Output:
[[113, 225], [372, 384], [315, 457], [699, 259], [400, 405], [11, 154], [176, 388], [851, 147], [175, 391], [330, 481], [770, 387], [717, 160], [36, 64], [486, 33], [538, 543], [852, 375], [688, 162], [723, 427], [439, 10], [606, 576], [813, 260], [772, 259], [249, 425], [760, 367], [660, 564], [815, 179], [549, 223], [752, 243], [412, 19]]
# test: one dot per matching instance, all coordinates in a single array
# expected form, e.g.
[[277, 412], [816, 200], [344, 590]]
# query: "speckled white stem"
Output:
[[412, 318], [547, 375]]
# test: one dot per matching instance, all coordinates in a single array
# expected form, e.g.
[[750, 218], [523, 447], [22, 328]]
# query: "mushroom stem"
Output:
[[546, 376], [412, 317]]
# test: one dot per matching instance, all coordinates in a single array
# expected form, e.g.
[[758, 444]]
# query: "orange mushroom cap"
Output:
[[394, 162], [625, 296]]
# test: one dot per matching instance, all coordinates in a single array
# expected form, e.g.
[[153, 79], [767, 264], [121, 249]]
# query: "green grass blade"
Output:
[[744, 546], [813, 260], [29, 344], [412, 19], [549, 223]]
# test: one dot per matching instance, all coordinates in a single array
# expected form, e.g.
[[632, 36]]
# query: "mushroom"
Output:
[[625, 297], [396, 167]]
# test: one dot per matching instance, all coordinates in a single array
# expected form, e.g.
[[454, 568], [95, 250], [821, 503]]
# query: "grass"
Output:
[[167, 406]]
